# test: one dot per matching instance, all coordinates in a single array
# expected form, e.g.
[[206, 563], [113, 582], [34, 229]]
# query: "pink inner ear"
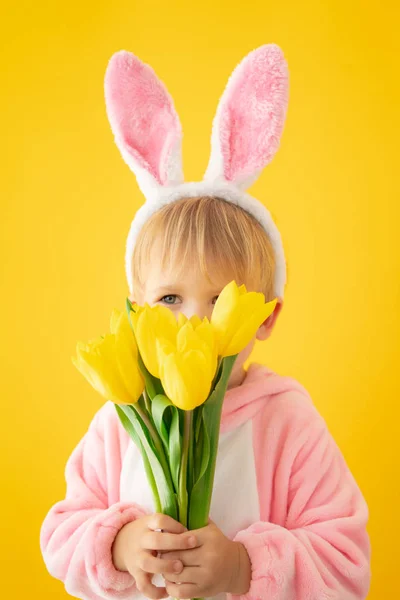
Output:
[[141, 114], [253, 112]]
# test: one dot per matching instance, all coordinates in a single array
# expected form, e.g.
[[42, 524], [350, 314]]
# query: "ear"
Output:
[[144, 122], [250, 117], [265, 329]]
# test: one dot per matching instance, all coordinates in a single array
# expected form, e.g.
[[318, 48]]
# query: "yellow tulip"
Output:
[[110, 362], [236, 317], [149, 323], [187, 367]]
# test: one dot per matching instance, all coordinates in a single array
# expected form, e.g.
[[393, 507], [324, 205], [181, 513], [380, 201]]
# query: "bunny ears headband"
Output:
[[245, 137]]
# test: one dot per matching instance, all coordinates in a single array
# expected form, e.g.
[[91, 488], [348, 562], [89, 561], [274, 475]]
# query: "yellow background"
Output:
[[68, 198]]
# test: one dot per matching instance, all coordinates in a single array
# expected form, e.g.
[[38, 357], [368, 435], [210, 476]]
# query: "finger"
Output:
[[190, 558], [184, 590], [153, 540], [150, 564], [193, 575], [166, 523], [144, 585]]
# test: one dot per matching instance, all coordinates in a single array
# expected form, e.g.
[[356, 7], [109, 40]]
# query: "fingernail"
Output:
[[192, 541], [177, 566]]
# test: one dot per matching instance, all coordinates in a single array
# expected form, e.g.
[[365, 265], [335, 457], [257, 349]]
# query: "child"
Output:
[[288, 521]]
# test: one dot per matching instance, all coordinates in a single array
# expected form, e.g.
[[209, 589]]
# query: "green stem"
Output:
[[147, 401], [190, 476], [182, 492], [147, 420]]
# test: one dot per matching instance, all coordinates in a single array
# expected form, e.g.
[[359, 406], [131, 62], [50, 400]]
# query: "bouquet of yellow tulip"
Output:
[[167, 378]]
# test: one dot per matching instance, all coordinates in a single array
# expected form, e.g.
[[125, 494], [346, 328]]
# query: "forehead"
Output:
[[190, 278], [183, 277]]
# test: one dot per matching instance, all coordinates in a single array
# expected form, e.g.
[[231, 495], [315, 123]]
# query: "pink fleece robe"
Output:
[[282, 488]]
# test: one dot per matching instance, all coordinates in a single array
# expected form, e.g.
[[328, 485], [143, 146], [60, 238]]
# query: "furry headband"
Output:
[[245, 137]]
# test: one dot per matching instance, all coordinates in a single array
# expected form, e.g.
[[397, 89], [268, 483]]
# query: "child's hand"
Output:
[[216, 565], [136, 547]]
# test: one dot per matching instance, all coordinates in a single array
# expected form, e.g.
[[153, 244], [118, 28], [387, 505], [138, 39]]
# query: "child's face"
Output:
[[194, 295]]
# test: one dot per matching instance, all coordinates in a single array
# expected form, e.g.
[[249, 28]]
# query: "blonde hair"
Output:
[[217, 235]]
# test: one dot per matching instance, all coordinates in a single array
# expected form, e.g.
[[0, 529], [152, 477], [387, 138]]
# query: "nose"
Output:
[[198, 309]]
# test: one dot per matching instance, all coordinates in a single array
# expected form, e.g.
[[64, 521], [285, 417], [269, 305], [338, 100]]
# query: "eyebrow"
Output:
[[163, 288], [174, 288]]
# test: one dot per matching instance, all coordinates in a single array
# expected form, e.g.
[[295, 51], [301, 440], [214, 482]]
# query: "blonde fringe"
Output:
[[211, 234]]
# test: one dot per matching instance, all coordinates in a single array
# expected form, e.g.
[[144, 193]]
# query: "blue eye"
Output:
[[167, 299]]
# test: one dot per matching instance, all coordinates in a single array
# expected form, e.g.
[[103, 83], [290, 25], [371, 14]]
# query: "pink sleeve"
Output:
[[321, 549], [77, 534]]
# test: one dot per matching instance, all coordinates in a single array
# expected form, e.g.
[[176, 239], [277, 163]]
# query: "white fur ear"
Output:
[[249, 120], [145, 124]]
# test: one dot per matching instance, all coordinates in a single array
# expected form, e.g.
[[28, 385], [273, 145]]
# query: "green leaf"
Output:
[[128, 306], [166, 420], [203, 455], [166, 494], [131, 431], [218, 372], [200, 499], [175, 448], [158, 407]]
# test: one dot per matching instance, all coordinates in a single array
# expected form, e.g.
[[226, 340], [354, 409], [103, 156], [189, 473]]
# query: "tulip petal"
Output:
[[166, 321], [236, 317], [185, 378], [98, 363], [95, 366], [115, 317], [128, 365], [149, 323], [202, 338], [125, 331], [110, 372], [145, 333], [249, 327], [195, 321], [182, 319], [225, 305]]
